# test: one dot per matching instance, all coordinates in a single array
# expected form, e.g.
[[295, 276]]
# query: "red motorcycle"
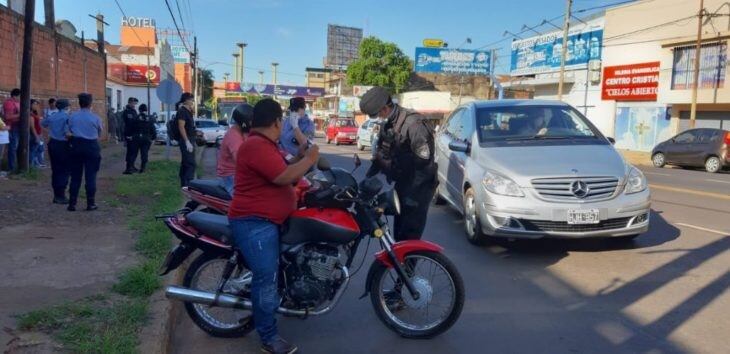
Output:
[[211, 196], [415, 289]]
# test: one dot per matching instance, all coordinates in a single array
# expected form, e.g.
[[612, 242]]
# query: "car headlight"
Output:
[[636, 182], [501, 185]]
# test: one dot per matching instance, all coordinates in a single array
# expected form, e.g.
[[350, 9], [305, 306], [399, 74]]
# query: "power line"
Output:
[[182, 22], [649, 28], [125, 16], [174, 21], [190, 14]]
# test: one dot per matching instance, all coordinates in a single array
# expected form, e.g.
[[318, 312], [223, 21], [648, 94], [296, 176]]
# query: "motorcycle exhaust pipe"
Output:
[[207, 298]]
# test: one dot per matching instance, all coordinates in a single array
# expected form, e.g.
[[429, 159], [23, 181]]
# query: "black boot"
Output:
[[60, 198]]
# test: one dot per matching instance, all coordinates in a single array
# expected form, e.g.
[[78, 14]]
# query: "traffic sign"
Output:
[[169, 91], [433, 43]]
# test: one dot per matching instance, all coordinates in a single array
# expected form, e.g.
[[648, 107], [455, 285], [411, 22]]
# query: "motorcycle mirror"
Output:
[[323, 164]]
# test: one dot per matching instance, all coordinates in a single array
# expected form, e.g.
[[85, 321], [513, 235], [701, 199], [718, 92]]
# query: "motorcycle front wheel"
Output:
[[439, 305], [204, 274]]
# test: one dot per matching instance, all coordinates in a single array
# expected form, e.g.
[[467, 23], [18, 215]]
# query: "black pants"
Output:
[[132, 151], [85, 160], [58, 151], [187, 165], [411, 222], [143, 144]]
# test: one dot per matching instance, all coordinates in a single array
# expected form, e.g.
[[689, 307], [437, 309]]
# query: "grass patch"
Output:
[[110, 323], [33, 174]]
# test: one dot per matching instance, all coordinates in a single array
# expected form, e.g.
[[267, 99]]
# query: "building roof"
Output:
[[318, 70]]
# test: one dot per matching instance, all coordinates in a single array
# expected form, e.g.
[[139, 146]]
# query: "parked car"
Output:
[[365, 134], [708, 148], [162, 134], [341, 131], [534, 169], [210, 130]]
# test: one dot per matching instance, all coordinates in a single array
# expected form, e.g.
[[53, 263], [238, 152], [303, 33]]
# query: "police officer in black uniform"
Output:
[[405, 155], [130, 117], [144, 133]]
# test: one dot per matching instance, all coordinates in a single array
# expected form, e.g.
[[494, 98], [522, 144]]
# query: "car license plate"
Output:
[[582, 217]]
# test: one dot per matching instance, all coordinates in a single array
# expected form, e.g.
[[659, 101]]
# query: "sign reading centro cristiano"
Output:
[[632, 82]]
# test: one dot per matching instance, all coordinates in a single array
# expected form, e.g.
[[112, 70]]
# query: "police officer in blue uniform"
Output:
[[130, 117], [57, 125], [85, 154]]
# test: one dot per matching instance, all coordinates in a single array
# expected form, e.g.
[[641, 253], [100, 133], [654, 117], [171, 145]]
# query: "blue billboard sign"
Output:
[[541, 54], [453, 61]]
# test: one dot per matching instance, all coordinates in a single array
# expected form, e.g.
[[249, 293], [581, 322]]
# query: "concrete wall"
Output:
[[77, 69]]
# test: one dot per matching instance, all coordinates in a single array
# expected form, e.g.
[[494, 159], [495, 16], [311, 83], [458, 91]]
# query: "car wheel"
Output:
[[337, 142], [360, 147], [328, 140], [658, 160], [438, 199], [472, 225], [712, 164]]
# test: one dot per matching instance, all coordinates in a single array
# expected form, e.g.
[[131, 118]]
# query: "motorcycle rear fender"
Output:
[[176, 257], [400, 249]]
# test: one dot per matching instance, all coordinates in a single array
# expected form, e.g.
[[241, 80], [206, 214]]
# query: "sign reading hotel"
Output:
[[142, 22], [633, 82]]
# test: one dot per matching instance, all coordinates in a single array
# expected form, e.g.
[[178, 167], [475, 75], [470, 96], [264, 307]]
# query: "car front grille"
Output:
[[560, 188], [562, 226]]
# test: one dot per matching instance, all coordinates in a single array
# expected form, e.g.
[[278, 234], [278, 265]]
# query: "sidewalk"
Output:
[[637, 158]]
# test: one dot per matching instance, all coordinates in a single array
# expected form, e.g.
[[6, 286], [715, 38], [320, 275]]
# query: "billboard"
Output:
[[542, 54], [633, 82], [349, 104], [641, 128], [453, 61], [180, 54], [138, 74], [278, 90], [343, 44]]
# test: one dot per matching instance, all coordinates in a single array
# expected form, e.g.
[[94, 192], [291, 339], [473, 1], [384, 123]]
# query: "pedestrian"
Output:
[[4, 140], [111, 122], [130, 116], [51, 109], [58, 150], [85, 154], [232, 140], [36, 136], [118, 116], [11, 112], [186, 132], [405, 154], [263, 198], [298, 128], [144, 134]]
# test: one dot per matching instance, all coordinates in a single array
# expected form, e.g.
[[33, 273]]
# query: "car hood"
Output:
[[524, 163]]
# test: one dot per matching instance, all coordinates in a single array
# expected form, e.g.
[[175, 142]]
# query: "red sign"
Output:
[[138, 74], [633, 82]]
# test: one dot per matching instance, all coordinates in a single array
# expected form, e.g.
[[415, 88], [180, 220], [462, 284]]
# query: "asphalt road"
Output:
[[666, 292]]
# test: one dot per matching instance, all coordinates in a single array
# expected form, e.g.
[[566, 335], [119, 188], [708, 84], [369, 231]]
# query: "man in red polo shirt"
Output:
[[262, 200]]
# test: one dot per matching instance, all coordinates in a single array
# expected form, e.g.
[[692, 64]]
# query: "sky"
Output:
[[294, 32]]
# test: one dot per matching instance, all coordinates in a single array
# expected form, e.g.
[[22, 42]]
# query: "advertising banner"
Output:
[[633, 82], [180, 54], [279, 90], [138, 74], [349, 104], [453, 61], [541, 54], [641, 128]]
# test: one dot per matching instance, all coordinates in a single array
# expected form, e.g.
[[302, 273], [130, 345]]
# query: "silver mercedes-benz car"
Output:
[[533, 169]]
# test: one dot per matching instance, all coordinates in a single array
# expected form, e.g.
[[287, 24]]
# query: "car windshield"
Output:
[[514, 123], [346, 123], [206, 124]]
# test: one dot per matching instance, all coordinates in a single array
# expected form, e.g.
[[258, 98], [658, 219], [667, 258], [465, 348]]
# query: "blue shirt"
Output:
[[57, 125], [288, 139], [85, 124]]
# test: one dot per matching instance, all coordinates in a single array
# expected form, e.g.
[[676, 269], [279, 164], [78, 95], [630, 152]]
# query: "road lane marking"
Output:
[[718, 181], [690, 191], [704, 229], [657, 174]]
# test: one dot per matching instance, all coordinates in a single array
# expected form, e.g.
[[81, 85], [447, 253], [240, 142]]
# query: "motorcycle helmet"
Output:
[[243, 116]]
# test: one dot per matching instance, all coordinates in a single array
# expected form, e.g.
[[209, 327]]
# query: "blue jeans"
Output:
[[228, 184], [258, 241], [13, 149]]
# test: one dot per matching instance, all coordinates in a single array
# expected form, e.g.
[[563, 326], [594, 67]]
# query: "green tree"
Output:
[[206, 78], [380, 63]]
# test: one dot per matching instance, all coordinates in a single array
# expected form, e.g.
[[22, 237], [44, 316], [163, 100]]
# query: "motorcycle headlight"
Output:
[[501, 185], [389, 202], [635, 182], [395, 202]]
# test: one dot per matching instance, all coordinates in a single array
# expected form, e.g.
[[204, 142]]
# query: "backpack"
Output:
[[173, 131]]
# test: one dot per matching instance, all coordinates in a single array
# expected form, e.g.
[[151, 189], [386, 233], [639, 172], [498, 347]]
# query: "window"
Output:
[[712, 66], [206, 124], [686, 137], [454, 125], [529, 122]]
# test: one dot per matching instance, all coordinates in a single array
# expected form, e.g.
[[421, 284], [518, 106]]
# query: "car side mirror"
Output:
[[611, 140], [459, 146]]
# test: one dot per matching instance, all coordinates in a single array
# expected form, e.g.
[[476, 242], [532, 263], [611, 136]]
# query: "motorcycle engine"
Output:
[[313, 276]]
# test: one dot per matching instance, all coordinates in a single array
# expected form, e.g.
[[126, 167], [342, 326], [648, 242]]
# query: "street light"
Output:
[[261, 77], [241, 45], [510, 33], [235, 66], [546, 22], [526, 27]]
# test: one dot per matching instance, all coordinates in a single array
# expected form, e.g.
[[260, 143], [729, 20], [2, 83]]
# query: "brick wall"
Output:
[[47, 82]]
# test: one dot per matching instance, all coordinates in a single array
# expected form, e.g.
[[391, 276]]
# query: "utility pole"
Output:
[[101, 47], [566, 27], [698, 48], [83, 42], [235, 67], [261, 77], [26, 72], [274, 65], [147, 75], [241, 46], [197, 72], [50, 14]]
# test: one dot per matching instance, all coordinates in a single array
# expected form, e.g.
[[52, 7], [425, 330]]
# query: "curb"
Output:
[[156, 335]]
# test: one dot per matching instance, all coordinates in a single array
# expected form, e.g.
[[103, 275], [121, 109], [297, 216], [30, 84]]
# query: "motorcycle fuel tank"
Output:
[[320, 225]]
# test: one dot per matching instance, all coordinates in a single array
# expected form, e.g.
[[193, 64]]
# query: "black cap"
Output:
[[374, 100], [132, 100]]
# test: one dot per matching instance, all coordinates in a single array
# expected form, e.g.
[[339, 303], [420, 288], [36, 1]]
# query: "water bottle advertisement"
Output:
[[541, 54]]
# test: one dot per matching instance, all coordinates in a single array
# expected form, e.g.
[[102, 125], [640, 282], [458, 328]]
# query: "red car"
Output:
[[341, 131]]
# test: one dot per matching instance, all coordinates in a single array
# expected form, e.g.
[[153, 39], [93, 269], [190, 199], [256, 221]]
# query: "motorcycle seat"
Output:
[[211, 187], [211, 225]]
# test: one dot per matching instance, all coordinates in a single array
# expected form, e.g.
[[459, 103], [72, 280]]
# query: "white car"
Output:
[[211, 130], [162, 134]]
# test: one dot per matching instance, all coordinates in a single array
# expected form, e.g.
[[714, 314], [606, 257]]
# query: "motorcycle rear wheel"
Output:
[[216, 321], [393, 318]]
